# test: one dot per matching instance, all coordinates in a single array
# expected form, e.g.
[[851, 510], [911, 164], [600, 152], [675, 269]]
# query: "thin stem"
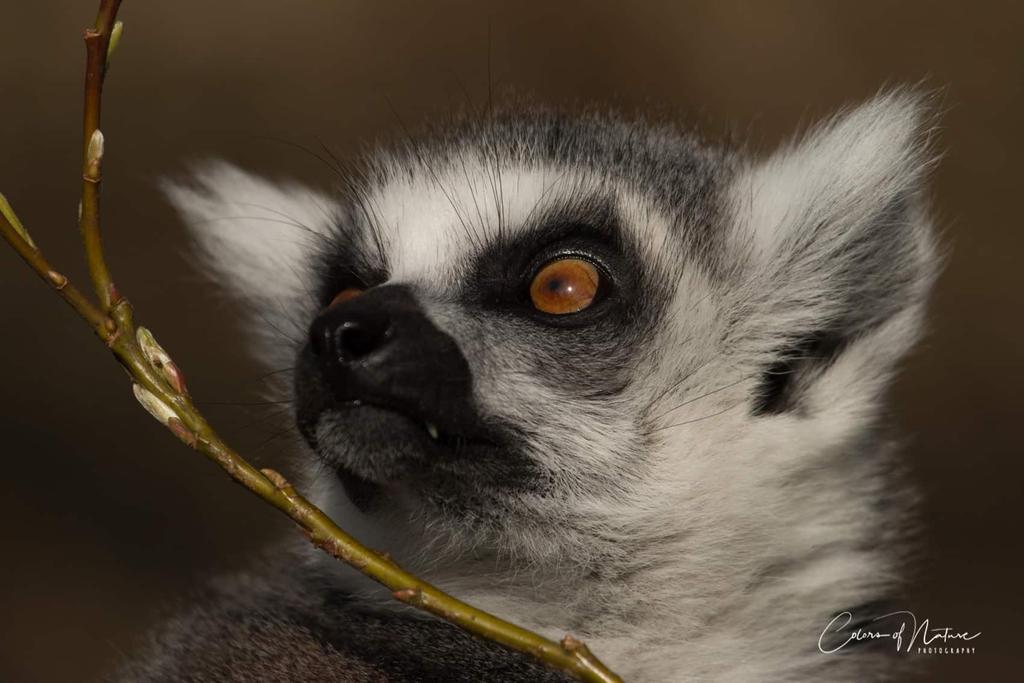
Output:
[[97, 42], [178, 412], [160, 388], [97, 320]]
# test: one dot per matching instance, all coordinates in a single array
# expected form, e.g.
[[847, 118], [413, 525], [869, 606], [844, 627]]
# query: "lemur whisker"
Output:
[[244, 404], [291, 219], [371, 220], [339, 166], [698, 398], [302, 148], [668, 389], [270, 373], [697, 419], [260, 448], [277, 329], [288, 313], [264, 219], [429, 167], [471, 186], [548, 187], [261, 420]]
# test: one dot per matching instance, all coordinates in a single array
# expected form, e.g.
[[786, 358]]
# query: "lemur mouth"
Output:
[[442, 433], [372, 435], [374, 449], [384, 396]]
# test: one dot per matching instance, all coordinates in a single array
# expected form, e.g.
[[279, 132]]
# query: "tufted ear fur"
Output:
[[834, 249], [256, 236]]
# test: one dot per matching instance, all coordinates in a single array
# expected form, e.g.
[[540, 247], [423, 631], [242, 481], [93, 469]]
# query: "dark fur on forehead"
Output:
[[672, 168], [350, 257]]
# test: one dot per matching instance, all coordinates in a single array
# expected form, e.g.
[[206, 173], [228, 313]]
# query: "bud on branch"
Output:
[[159, 387]]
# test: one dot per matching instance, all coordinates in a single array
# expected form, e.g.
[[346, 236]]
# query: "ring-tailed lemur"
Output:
[[588, 374]]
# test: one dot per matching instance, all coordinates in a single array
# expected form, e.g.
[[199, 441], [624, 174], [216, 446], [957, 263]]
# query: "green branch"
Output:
[[159, 386]]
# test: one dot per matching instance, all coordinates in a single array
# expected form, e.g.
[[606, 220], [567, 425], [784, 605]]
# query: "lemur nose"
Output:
[[380, 347], [349, 334]]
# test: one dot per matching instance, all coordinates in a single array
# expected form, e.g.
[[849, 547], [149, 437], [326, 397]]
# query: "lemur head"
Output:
[[564, 336]]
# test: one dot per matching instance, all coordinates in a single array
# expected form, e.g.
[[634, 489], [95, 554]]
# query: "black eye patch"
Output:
[[500, 276], [343, 262]]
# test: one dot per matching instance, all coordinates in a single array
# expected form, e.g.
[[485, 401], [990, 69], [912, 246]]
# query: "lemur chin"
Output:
[[589, 374]]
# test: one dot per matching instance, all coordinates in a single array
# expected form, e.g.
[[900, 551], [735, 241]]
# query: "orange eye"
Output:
[[344, 295], [567, 285]]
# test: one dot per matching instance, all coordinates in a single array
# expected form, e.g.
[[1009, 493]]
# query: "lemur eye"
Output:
[[566, 285], [344, 295]]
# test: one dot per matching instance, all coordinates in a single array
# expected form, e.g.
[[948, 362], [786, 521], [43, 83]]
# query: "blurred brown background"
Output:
[[105, 521]]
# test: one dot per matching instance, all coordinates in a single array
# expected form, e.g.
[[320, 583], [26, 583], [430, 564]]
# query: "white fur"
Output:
[[258, 233], [723, 558]]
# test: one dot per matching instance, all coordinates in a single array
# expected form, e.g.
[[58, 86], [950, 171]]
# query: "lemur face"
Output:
[[479, 367], [549, 332]]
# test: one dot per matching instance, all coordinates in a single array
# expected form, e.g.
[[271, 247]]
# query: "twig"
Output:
[[159, 386], [97, 47], [19, 239]]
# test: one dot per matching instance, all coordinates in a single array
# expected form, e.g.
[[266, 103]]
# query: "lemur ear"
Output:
[[254, 237], [835, 250]]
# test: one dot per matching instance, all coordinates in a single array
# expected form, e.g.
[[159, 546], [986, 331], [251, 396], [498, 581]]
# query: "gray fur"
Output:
[[664, 494], [288, 621]]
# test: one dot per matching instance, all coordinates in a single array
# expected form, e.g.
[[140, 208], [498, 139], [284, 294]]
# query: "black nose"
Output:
[[347, 333], [380, 348]]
